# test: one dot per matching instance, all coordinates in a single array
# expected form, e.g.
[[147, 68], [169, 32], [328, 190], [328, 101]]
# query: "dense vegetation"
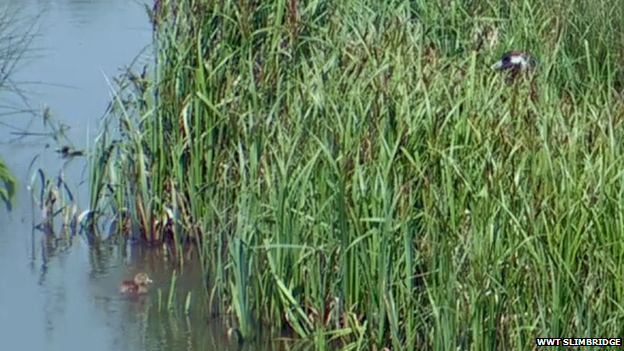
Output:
[[355, 172]]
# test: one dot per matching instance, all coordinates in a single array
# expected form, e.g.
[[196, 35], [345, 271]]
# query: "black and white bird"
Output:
[[520, 73], [517, 64]]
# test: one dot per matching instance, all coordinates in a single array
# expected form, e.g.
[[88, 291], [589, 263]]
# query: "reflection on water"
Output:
[[57, 293], [70, 301]]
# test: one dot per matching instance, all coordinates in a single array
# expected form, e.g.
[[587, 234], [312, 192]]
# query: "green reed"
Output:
[[8, 185], [355, 172]]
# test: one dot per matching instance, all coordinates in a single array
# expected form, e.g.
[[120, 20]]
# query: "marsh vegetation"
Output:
[[354, 172]]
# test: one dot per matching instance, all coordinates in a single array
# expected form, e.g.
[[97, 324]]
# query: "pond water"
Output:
[[62, 294]]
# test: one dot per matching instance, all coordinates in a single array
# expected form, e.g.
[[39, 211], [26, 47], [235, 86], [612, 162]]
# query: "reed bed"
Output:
[[354, 172]]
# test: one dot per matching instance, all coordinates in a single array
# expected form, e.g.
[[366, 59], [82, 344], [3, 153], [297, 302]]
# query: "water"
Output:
[[62, 295]]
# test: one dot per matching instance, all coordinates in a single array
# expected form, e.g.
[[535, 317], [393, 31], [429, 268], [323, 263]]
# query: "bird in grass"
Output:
[[136, 286], [517, 64], [519, 68]]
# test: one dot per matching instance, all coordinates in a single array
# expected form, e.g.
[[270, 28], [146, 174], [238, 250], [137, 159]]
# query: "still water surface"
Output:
[[63, 296]]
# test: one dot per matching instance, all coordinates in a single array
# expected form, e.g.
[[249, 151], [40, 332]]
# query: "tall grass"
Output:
[[354, 171]]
